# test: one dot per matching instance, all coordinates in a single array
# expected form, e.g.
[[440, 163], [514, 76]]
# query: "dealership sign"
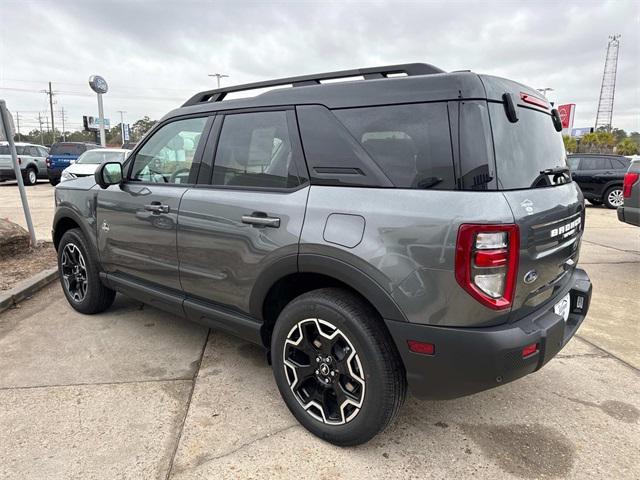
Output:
[[567, 112]]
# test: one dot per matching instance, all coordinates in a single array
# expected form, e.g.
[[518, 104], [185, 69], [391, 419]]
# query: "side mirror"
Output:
[[109, 173]]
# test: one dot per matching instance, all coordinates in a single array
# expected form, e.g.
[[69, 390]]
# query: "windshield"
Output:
[[529, 153], [97, 157]]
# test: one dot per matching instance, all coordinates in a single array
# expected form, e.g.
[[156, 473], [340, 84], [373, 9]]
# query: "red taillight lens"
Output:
[[629, 179], [529, 350], [424, 348], [487, 262]]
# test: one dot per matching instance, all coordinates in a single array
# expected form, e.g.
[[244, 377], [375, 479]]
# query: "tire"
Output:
[[30, 176], [363, 361], [613, 197], [79, 275], [597, 203]]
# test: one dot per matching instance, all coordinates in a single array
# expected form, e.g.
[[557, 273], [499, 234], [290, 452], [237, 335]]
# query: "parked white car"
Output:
[[87, 163]]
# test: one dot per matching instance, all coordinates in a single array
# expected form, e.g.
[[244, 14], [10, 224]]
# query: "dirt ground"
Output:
[[26, 264]]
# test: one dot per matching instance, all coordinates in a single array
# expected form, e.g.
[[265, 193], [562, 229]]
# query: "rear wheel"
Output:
[[336, 366], [30, 176], [79, 275], [613, 197]]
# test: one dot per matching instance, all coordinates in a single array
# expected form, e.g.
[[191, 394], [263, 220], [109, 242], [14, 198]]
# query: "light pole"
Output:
[[99, 85], [218, 77]]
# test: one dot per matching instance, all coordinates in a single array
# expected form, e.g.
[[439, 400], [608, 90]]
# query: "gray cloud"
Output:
[[157, 54]]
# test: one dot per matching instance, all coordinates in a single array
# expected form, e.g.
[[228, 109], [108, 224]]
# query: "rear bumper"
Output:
[[469, 360], [629, 215]]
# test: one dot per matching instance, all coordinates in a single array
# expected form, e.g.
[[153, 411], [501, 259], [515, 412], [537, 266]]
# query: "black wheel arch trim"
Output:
[[63, 213], [340, 270]]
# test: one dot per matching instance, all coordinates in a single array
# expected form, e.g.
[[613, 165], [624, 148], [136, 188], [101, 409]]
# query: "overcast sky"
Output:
[[155, 55]]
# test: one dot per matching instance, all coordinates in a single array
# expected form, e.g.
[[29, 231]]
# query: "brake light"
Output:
[[530, 99], [629, 179], [487, 262]]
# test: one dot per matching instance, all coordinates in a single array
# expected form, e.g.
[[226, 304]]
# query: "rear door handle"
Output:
[[260, 219], [157, 207]]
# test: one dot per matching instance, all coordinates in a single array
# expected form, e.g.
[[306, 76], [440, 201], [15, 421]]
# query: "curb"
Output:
[[27, 288]]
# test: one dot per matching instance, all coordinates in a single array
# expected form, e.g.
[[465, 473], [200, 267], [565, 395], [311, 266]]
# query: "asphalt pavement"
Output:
[[138, 393]]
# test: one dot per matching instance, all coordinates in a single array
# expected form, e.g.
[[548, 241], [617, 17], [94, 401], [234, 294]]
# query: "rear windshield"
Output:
[[68, 149], [525, 149], [97, 156]]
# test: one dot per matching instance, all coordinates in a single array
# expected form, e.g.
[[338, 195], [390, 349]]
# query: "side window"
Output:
[[166, 157], [254, 150], [410, 143], [590, 163], [572, 163]]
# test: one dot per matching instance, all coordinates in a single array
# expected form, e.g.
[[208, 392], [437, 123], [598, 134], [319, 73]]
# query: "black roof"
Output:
[[380, 86]]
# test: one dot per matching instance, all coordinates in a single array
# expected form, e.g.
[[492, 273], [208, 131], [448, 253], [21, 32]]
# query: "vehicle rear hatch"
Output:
[[547, 206], [61, 154]]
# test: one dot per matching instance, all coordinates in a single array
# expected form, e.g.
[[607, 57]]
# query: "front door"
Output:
[[248, 214], [137, 221]]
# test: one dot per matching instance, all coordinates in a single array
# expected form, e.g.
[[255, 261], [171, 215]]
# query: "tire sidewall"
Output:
[[75, 237], [606, 196], [364, 424]]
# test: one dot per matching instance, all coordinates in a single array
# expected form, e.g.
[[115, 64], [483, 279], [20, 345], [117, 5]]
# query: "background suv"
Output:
[[600, 177], [414, 228], [31, 158]]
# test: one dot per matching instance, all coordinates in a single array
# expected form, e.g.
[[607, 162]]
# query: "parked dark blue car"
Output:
[[61, 155]]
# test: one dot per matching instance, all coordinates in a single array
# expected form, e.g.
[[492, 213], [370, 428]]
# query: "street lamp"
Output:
[[99, 85], [218, 77]]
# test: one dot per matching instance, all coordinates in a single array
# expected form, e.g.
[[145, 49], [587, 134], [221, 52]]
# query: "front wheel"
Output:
[[79, 275], [336, 366], [613, 197]]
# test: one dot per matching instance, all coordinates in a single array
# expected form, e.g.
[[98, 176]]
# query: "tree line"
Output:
[[603, 141], [113, 135]]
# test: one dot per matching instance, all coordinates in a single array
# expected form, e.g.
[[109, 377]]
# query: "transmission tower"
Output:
[[608, 88]]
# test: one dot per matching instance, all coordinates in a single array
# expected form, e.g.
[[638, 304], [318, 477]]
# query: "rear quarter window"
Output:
[[410, 143]]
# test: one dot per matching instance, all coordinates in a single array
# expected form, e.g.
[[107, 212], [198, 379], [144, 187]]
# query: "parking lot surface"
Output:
[[138, 393]]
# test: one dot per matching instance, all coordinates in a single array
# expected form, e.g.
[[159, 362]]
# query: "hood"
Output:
[[80, 183]]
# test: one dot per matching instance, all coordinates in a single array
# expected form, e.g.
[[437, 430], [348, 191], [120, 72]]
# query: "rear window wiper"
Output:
[[554, 170]]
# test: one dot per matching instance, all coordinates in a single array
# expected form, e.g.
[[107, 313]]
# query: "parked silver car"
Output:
[[32, 160]]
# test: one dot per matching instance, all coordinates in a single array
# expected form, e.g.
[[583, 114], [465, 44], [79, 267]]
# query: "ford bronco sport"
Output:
[[409, 228]]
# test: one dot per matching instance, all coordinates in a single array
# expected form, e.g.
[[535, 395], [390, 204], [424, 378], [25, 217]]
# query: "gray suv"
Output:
[[413, 228]]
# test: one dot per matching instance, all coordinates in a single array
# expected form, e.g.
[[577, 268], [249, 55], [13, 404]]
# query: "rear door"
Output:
[[246, 212], [137, 221], [548, 208]]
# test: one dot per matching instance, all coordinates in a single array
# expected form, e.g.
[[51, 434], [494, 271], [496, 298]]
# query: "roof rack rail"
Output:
[[409, 69]]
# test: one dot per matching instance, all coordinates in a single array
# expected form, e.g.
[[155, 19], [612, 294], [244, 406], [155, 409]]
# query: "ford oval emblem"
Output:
[[530, 277]]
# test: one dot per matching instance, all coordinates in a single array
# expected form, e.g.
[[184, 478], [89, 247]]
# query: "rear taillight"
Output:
[[629, 179], [487, 262]]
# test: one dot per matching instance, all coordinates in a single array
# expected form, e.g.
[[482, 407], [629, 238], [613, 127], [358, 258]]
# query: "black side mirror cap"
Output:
[[108, 173], [557, 121], [510, 107]]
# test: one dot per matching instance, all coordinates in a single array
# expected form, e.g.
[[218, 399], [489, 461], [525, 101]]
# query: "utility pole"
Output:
[[40, 122], [53, 128], [218, 77], [122, 112], [18, 122], [64, 136]]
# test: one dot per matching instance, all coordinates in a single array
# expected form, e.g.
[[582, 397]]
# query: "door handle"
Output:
[[260, 219], [157, 207]]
